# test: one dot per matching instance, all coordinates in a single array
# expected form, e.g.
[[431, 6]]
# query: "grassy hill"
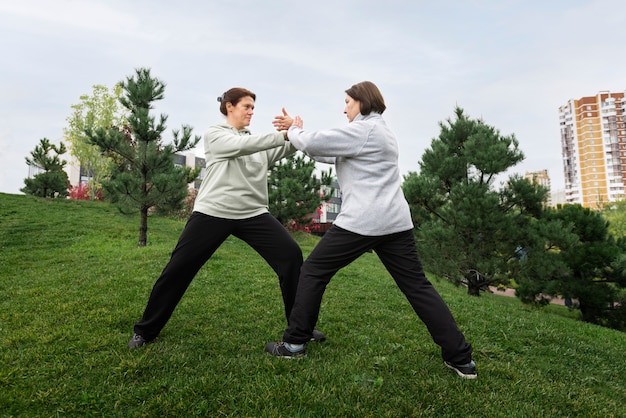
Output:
[[73, 282]]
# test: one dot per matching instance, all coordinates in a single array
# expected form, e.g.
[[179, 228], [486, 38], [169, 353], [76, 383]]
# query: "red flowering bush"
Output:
[[82, 191], [310, 227]]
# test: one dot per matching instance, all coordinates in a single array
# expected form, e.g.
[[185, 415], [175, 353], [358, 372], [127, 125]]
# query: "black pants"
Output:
[[398, 253], [201, 237]]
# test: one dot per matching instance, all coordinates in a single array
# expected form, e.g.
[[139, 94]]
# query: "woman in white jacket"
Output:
[[232, 200], [374, 215]]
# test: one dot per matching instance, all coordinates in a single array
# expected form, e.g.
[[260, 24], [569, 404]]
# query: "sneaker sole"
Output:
[[299, 356], [277, 350], [462, 375]]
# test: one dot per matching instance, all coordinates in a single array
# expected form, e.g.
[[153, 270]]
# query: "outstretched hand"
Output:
[[298, 122], [282, 122]]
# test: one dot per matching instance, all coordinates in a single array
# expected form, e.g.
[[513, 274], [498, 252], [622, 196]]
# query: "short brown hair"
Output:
[[370, 97], [233, 96]]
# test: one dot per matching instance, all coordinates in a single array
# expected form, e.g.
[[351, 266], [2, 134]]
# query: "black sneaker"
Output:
[[279, 349], [318, 336], [137, 341], [466, 371]]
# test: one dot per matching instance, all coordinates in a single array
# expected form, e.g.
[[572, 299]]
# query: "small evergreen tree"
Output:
[[53, 181], [144, 175], [467, 231], [596, 269], [294, 190]]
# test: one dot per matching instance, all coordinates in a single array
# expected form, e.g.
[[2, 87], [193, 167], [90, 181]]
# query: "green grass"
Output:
[[73, 282]]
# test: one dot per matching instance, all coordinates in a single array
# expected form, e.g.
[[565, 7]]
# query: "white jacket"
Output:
[[366, 161]]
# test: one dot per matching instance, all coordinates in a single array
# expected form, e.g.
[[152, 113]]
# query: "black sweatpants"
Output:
[[398, 253], [201, 237]]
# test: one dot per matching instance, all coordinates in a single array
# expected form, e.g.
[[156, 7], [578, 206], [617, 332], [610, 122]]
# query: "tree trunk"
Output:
[[475, 282], [473, 290], [143, 228]]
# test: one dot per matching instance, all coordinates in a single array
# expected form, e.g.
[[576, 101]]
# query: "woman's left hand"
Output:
[[282, 122]]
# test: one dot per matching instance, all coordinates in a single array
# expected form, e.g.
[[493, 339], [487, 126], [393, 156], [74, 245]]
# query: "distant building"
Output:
[[593, 144], [328, 211], [542, 179], [78, 175], [325, 216], [33, 170], [558, 198], [191, 160]]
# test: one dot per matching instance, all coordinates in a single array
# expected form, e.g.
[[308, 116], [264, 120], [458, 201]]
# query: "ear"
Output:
[[229, 107]]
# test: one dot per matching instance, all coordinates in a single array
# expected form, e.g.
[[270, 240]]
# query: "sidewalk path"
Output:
[[511, 293]]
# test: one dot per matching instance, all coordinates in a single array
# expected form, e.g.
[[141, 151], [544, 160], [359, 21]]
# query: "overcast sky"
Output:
[[511, 63]]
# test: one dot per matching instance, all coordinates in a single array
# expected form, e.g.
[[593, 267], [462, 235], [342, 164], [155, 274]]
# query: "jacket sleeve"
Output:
[[276, 154], [221, 143], [325, 160], [347, 141]]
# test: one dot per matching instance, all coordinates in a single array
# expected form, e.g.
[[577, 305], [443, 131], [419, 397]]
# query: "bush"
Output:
[[185, 212], [83, 191]]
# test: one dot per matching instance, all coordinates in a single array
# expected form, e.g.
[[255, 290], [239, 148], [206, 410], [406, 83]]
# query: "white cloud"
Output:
[[70, 15], [511, 62]]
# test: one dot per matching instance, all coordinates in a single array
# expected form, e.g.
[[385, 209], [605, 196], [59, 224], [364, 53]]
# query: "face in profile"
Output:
[[352, 109], [240, 115]]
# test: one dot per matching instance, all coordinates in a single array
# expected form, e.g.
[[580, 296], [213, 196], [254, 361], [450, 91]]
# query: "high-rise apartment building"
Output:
[[593, 144]]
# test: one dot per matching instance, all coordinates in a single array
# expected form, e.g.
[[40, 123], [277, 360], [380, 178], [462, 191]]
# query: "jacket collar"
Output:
[[372, 115], [240, 131]]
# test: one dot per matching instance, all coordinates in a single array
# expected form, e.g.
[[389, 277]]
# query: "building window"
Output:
[[179, 160]]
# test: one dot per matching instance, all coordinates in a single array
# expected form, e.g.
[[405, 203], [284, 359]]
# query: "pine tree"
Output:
[[53, 181], [595, 269], [144, 175], [294, 190], [467, 230]]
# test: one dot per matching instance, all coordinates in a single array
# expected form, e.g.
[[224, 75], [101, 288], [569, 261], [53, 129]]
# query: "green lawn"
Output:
[[73, 282]]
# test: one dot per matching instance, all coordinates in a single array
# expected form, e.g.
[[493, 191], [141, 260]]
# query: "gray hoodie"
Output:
[[365, 154], [235, 182]]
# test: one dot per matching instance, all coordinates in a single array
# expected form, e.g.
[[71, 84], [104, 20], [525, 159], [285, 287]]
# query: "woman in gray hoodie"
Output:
[[374, 215], [232, 200]]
